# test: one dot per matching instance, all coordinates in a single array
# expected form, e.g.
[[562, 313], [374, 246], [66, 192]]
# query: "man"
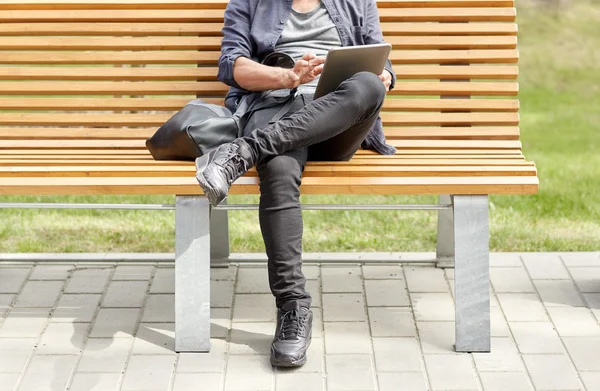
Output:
[[332, 128]]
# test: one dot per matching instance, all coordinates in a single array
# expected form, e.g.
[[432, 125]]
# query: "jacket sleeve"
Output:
[[374, 35], [236, 39]]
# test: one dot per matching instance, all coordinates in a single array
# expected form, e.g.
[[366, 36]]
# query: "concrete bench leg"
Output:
[[445, 234], [192, 274], [219, 238], [472, 273]]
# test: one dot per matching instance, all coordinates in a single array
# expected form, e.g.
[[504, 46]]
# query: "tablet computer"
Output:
[[343, 63]]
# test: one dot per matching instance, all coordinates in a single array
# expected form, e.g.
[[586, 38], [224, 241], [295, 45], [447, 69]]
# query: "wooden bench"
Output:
[[84, 83]]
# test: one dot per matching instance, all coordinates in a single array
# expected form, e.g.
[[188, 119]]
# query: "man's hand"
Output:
[[386, 78], [306, 70]]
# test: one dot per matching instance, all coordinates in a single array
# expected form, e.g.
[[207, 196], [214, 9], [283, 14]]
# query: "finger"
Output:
[[317, 61], [318, 70], [309, 56], [301, 66]]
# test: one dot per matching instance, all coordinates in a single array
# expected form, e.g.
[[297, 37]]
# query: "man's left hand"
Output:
[[386, 78]]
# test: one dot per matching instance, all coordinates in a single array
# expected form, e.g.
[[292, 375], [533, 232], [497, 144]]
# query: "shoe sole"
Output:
[[290, 364], [206, 188]]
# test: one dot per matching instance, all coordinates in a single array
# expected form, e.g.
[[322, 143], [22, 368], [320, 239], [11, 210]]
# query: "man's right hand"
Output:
[[306, 70]]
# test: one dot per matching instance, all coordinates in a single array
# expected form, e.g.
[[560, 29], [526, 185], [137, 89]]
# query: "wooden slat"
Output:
[[211, 58], [210, 73], [249, 185], [111, 119], [214, 43], [345, 170], [133, 144], [476, 14], [214, 29], [220, 89], [165, 104], [221, 4], [453, 133]]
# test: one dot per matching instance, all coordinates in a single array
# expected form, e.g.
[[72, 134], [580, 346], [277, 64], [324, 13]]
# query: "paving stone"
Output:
[[252, 280], [581, 259], [76, 308], [545, 266], [574, 322], [148, 373], [24, 322], [95, 382], [133, 272], [503, 381], [433, 306], [254, 308], [39, 294], [12, 278], [409, 381], [14, 353], [248, 373], [391, 322], [558, 293], [6, 300], [126, 294], [223, 273], [221, 294], [551, 372], [196, 381], [498, 325], [522, 307], [314, 288], [349, 372], [311, 272], [347, 338], [536, 337], [50, 272], [292, 381], [587, 279], [425, 279], [449, 274], [511, 280], [154, 338], [593, 300], [63, 338], [220, 320], [585, 353], [88, 280], [337, 279], [48, 373], [8, 381], [214, 361], [505, 260], [436, 337], [503, 358], [386, 293], [316, 357], [317, 328], [397, 355], [382, 272], [115, 322], [163, 281], [251, 338], [160, 308], [451, 372], [591, 380], [343, 308], [105, 355]]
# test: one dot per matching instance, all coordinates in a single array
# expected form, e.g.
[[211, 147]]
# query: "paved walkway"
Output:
[[387, 328]]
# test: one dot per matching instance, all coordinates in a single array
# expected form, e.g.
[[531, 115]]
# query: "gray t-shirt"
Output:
[[310, 32]]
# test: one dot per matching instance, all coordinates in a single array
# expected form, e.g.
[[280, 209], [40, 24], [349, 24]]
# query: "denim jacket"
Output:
[[252, 28]]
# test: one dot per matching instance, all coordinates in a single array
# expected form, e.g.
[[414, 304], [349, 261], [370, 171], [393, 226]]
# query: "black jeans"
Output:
[[330, 128]]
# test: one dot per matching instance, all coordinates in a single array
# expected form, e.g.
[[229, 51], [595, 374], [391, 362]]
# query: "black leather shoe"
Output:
[[292, 336], [217, 170]]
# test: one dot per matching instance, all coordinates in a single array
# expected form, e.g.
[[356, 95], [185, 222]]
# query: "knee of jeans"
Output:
[[280, 175], [368, 89]]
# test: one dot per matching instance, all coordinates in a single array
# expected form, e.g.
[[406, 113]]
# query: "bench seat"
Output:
[[84, 83]]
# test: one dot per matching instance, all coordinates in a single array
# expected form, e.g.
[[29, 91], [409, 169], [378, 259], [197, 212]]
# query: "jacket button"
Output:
[[281, 21]]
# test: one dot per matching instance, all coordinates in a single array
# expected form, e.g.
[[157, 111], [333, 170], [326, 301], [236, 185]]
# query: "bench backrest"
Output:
[[107, 73]]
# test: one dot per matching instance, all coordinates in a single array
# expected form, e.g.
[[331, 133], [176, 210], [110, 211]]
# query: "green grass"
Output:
[[560, 113]]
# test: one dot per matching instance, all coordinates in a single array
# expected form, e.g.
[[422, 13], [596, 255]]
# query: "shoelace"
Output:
[[292, 325], [234, 164]]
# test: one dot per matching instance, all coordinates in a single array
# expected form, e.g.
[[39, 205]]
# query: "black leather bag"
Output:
[[195, 130], [200, 127]]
